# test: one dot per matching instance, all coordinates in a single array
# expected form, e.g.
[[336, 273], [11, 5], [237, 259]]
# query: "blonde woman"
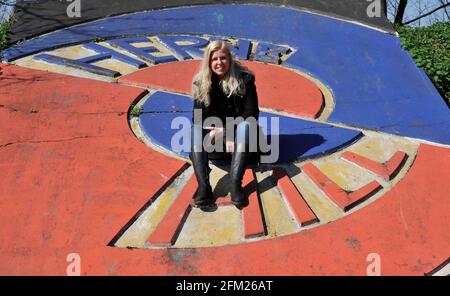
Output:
[[223, 89]]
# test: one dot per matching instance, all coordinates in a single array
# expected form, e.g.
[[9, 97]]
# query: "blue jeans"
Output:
[[241, 138]]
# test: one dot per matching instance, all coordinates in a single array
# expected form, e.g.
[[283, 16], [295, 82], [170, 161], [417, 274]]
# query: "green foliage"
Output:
[[99, 39], [430, 48], [4, 27], [135, 111]]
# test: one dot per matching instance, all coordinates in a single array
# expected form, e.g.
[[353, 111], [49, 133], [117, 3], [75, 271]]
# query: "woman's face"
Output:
[[220, 63]]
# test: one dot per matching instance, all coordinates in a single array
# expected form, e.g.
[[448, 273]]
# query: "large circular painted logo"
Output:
[[323, 171], [317, 96]]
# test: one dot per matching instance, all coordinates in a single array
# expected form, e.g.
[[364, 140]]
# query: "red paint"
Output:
[[165, 232], [278, 88], [345, 200], [61, 194], [223, 201], [251, 215], [302, 212], [387, 170], [73, 173]]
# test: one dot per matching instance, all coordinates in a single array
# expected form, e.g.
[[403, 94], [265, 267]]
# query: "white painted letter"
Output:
[[74, 8], [374, 8], [274, 146], [374, 268], [74, 268], [181, 140]]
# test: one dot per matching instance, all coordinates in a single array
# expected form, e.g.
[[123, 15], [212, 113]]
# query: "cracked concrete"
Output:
[[46, 141]]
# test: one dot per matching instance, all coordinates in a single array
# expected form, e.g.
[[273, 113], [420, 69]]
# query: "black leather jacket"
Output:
[[234, 106]]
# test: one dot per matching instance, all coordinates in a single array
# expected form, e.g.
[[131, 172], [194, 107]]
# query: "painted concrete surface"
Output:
[[71, 160], [74, 180], [342, 247], [82, 177], [51, 98], [55, 171], [164, 109], [381, 78], [293, 92]]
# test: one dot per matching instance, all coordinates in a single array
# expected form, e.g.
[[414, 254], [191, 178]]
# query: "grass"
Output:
[[4, 34], [135, 111]]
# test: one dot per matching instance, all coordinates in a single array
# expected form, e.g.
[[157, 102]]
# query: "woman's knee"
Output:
[[243, 126], [243, 130]]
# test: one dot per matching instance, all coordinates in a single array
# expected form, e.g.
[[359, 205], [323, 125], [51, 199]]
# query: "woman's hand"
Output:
[[215, 133]]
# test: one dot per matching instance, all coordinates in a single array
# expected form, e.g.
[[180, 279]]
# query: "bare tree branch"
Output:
[[427, 14], [400, 12], [384, 6], [392, 7], [445, 10]]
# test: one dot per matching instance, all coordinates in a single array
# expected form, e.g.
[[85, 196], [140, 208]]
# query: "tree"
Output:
[[384, 6], [400, 12], [443, 5], [432, 11]]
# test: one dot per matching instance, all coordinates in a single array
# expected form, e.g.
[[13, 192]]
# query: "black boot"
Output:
[[238, 165], [203, 195]]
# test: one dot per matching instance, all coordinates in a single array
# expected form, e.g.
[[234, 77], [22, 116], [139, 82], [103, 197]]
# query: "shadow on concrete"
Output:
[[292, 147]]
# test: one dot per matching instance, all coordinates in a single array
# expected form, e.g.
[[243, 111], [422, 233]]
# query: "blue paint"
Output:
[[244, 47], [375, 83], [219, 17], [299, 139], [242, 50], [142, 52], [186, 52], [104, 53], [75, 64], [269, 53], [167, 102]]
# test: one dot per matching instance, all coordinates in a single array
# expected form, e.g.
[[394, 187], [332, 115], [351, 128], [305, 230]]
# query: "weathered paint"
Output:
[[298, 138], [82, 170], [112, 190], [342, 197], [278, 88], [387, 170], [137, 234], [278, 218], [211, 229], [345, 174], [380, 78], [322, 206], [166, 233], [252, 215], [302, 212]]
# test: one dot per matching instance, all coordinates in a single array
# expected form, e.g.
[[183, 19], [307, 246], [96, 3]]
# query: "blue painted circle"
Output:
[[298, 139]]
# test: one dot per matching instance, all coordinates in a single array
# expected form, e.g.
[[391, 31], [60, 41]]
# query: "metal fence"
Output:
[[6, 9]]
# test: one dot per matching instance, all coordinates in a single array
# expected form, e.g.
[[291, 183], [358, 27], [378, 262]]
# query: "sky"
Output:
[[418, 7]]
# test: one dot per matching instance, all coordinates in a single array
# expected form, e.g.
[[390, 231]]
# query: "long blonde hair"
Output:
[[231, 84]]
